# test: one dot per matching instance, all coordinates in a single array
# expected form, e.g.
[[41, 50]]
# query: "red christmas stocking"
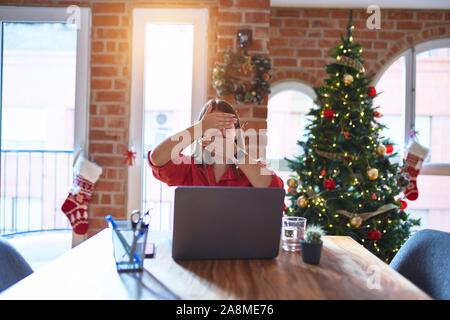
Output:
[[75, 206], [414, 157]]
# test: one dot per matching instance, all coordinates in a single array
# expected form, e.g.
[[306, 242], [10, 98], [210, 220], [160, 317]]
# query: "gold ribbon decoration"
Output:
[[335, 156], [247, 66], [349, 62], [367, 215]]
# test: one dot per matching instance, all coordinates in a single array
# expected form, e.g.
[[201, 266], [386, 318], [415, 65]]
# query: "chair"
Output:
[[425, 260], [13, 266]]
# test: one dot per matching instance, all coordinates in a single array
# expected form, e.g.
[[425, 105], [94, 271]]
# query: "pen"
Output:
[[124, 242]]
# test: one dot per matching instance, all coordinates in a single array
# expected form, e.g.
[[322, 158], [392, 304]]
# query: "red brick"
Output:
[[108, 59], [286, 52], [120, 84], [105, 20], [380, 45], [400, 15], [292, 32], [285, 62], [119, 199], [332, 34], [123, 46], [105, 96], [226, 30], [390, 35], [97, 122], [114, 123], [260, 112], [225, 3], [276, 22], [112, 110], [101, 84], [278, 42], [101, 211], [309, 53], [104, 71], [103, 33], [254, 4], [110, 46], [108, 8], [296, 23], [105, 199], [408, 25], [101, 147], [97, 46], [324, 23], [316, 13], [230, 17], [257, 17], [287, 12], [225, 43], [110, 161], [97, 223], [102, 135], [303, 43]]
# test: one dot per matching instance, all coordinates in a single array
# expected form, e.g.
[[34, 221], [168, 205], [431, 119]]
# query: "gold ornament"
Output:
[[302, 202], [215, 71], [348, 79], [253, 93], [372, 173], [266, 77], [381, 150], [291, 182], [218, 83], [246, 66], [356, 221]]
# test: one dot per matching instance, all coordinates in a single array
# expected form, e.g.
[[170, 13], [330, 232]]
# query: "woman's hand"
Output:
[[217, 120]]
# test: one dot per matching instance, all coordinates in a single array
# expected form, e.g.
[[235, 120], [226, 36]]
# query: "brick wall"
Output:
[[298, 40], [301, 39]]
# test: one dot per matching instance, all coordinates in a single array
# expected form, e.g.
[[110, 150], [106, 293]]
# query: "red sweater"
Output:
[[187, 173]]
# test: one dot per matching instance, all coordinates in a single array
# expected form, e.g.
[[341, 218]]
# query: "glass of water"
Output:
[[292, 232]]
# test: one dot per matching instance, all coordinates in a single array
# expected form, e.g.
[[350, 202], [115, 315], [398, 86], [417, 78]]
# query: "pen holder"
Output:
[[129, 246]]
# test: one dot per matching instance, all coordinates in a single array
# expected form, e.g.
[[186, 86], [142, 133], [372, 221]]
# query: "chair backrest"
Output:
[[425, 260], [13, 266]]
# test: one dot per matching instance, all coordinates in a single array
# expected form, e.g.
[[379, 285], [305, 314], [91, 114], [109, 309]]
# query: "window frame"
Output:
[[82, 88], [281, 164], [409, 110], [200, 19]]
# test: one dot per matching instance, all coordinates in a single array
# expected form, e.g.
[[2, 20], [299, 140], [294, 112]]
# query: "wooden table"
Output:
[[347, 271]]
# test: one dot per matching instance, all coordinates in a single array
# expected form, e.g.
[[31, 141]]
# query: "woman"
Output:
[[213, 163]]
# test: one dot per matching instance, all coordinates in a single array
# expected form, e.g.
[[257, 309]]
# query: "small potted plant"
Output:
[[312, 244]]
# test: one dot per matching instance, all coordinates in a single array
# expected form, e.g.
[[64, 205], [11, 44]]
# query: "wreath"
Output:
[[234, 77]]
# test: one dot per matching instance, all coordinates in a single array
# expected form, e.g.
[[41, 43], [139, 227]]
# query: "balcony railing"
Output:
[[33, 186]]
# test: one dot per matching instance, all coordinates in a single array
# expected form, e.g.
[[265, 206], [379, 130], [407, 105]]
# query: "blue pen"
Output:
[[124, 242]]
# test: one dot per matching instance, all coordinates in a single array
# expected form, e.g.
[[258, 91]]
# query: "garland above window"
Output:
[[246, 77]]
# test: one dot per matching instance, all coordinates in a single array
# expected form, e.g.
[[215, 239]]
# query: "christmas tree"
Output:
[[345, 180]]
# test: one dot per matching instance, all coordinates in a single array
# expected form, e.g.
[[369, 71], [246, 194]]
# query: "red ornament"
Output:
[[323, 173], [346, 135], [389, 148], [292, 191], [328, 114], [374, 235], [403, 204], [374, 196], [377, 114], [371, 92], [130, 156], [329, 184]]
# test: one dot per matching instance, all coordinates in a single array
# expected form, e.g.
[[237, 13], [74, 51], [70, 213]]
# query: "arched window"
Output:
[[288, 105], [415, 96]]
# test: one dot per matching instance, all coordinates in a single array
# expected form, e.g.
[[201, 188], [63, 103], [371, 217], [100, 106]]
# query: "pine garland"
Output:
[[230, 77]]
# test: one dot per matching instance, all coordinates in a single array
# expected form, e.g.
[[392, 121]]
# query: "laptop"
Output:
[[227, 222]]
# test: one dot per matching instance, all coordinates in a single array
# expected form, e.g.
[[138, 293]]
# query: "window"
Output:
[[44, 97], [286, 121], [169, 88], [415, 96]]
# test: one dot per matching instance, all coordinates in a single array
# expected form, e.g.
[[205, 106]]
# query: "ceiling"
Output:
[[386, 4]]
